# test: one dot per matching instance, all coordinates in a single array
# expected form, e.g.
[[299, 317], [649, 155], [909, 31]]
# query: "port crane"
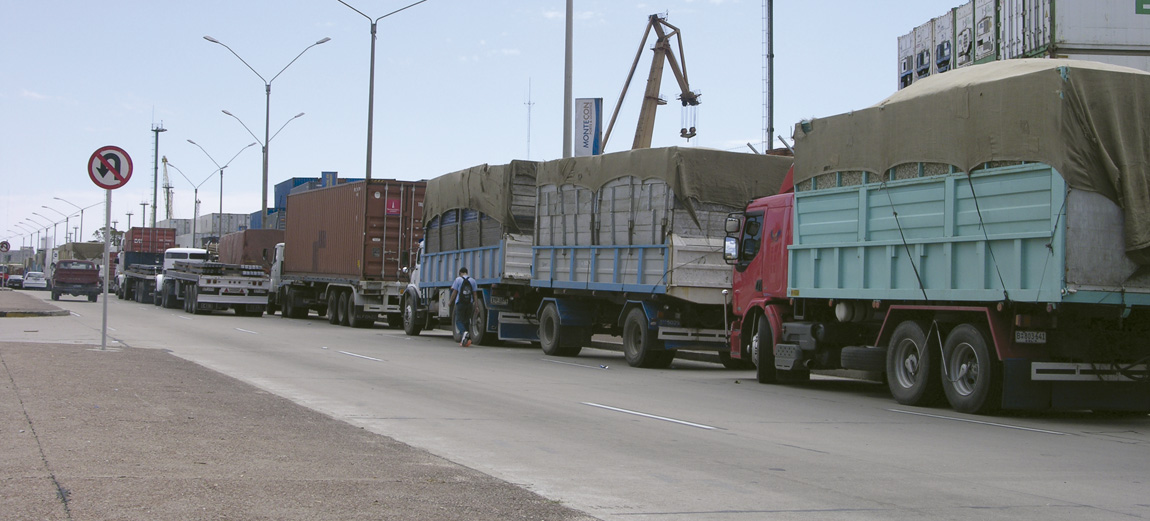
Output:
[[664, 54]]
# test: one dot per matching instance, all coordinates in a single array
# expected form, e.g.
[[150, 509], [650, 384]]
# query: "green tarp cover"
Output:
[[699, 174], [486, 188], [1089, 121]]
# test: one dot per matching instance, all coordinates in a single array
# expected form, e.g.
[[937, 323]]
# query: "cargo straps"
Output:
[[982, 226], [905, 246]]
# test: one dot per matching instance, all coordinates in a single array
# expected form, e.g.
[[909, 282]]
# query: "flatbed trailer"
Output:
[[203, 287]]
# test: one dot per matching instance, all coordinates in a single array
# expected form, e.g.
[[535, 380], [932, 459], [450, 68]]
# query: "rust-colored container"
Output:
[[250, 247], [149, 240], [367, 230]]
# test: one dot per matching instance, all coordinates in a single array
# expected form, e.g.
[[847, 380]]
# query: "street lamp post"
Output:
[[66, 225], [219, 233], [195, 196], [267, 112], [371, 75], [80, 234], [46, 229]]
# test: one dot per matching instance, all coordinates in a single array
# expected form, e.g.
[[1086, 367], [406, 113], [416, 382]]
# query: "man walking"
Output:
[[463, 295]]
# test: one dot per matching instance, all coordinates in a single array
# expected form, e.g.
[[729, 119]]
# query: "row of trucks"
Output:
[[959, 246]]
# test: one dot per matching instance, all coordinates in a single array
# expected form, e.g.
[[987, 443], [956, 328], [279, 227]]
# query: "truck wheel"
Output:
[[479, 333], [91, 297], [913, 375], [358, 320], [411, 324], [640, 347], [343, 315], [872, 359], [333, 307], [55, 295], [763, 352], [551, 333], [974, 380]]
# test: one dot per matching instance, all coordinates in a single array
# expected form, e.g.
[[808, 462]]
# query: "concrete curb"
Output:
[[27, 314]]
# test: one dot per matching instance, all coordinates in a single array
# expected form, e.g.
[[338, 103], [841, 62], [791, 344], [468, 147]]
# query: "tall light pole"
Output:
[[267, 112], [195, 196], [62, 214], [156, 129], [371, 75], [80, 236], [219, 233], [46, 229]]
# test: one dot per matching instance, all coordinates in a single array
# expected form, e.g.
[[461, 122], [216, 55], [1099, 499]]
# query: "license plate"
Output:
[[1030, 337], [498, 301]]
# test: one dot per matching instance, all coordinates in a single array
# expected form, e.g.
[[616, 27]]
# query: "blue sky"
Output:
[[452, 82]]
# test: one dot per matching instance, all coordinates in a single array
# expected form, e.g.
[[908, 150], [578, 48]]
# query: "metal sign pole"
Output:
[[107, 266]]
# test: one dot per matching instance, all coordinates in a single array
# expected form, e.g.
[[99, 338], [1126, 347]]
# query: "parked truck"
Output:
[[348, 250], [76, 278], [140, 260], [199, 285], [630, 244], [481, 218], [997, 259], [250, 247]]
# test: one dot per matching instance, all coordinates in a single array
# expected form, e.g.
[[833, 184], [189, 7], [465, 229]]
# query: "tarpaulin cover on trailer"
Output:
[[1090, 121], [485, 188], [699, 174]]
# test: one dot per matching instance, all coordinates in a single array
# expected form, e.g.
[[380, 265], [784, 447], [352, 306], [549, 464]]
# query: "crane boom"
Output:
[[167, 192], [663, 54]]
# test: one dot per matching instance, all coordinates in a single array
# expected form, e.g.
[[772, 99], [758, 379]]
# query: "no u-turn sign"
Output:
[[110, 167]]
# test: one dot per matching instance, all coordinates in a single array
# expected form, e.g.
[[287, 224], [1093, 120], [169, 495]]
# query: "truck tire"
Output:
[[872, 359], [333, 307], [974, 382], [551, 333], [411, 324], [357, 320], [55, 295], [641, 348], [763, 352], [91, 297], [912, 369], [479, 333], [343, 314]]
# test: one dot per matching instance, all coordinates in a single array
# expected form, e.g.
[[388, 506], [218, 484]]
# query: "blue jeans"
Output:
[[463, 314]]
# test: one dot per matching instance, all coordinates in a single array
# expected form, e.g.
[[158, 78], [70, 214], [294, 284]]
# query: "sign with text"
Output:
[[588, 127]]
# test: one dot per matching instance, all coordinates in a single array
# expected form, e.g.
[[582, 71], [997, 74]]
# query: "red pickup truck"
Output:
[[76, 277]]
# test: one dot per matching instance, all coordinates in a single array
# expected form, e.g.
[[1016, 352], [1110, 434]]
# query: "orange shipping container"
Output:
[[251, 247], [367, 230]]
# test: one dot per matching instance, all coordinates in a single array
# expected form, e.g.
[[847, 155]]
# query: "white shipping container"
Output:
[[1101, 26], [985, 30], [964, 35], [943, 43], [1010, 28], [923, 41], [905, 60]]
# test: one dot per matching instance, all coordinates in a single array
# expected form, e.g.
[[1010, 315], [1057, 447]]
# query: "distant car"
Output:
[[15, 281], [35, 280]]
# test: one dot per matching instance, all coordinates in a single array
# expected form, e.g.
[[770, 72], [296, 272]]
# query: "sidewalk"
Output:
[[140, 434], [16, 304]]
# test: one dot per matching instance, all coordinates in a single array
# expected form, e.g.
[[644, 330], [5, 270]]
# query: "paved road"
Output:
[[692, 442]]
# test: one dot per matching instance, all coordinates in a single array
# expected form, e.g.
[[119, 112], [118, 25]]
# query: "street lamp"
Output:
[[46, 229], [371, 75], [195, 195], [80, 236], [66, 225], [267, 111], [219, 233]]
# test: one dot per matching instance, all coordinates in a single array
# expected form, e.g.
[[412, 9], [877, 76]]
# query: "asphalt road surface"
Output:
[[692, 442]]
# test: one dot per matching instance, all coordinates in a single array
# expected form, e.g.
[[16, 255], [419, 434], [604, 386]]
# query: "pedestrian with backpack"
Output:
[[463, 295]]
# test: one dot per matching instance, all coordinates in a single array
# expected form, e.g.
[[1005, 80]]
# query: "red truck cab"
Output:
[[76, 278]]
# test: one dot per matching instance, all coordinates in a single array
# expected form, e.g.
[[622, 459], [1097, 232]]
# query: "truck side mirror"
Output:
[[731, 250], [733, 223]]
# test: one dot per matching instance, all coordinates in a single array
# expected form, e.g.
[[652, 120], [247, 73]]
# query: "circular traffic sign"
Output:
[[110, 167], [4, 247]]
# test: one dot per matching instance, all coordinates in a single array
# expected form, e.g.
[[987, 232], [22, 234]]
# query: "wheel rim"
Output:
[[633, 339], [409, 313], [547, 331], [907, 363], [964, 369]]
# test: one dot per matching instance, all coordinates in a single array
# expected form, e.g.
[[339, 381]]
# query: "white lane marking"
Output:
[[75, 314], [992, 424], [110, 328], [246, 331], [576, 365], [359, 356], [181, 316], [652, 416]]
